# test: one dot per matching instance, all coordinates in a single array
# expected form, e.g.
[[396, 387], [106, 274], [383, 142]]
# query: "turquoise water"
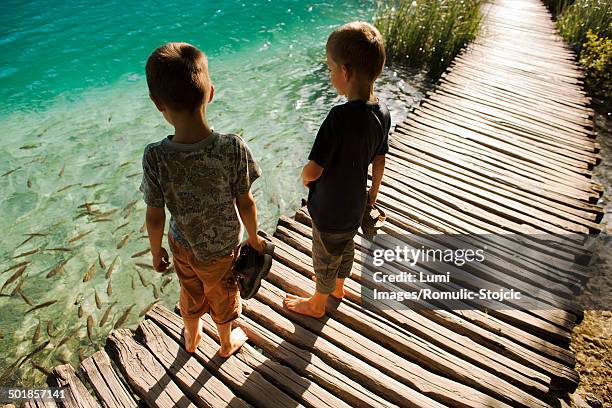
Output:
[[75, 116]]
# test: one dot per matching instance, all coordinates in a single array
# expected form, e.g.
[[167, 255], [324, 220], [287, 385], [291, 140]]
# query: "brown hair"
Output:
[[360, 46], [177, 74]]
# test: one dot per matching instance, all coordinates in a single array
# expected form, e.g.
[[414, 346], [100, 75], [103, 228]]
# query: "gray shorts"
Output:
[[332, 257]]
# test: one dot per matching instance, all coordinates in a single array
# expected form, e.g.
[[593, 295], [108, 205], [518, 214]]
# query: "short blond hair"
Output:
[[360, 46], [177, 74]]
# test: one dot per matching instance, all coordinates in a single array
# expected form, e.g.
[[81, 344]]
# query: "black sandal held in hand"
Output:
[[373, 219], [251, 267]]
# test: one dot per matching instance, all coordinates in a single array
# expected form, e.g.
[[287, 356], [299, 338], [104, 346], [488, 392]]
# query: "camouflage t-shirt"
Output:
[[198, 183]]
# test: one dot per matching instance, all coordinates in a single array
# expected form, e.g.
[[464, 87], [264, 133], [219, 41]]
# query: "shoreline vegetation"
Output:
[[427, 34], [586, 25]]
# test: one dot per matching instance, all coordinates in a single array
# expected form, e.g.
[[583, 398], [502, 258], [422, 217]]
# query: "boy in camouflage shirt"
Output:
[[202, 177]]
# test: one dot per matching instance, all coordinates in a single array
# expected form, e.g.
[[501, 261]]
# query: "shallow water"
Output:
[[75, 116]]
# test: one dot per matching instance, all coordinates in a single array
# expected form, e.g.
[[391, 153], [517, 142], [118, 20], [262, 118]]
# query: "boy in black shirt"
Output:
[[352, 136]]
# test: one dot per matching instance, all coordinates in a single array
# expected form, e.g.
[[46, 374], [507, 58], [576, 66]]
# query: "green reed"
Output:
[[427, 34]]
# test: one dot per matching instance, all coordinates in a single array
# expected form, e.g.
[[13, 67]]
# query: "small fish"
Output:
[[90, 326], [36, 335], [59, 249], [143, 279], [57, 268], [102, 220], [145, 266], [81, 311], [31, 354], [67, 187], [36, 234], [30, 146], [40, 306], [50, 328], [110, 117], [40, 368], [129, 205], [25, 298], [143, 228], [24, 242], [14, 277], [90, 272], [121, 226], [133, 175], [1, 335], [61, 172], [111, 268], [123, 318], [128, 213], [81, 235], [133, 284], [101, 262], [109, 288], [103, 164], [98, 300], [124, 240], [27, 253], [148, 308], [156, 293], [10, 171], [125, 163], [17, 287], [19, 265], [141, 253], [105, 315], [29, 183], [78, 300], [166, 281], [92, 185]]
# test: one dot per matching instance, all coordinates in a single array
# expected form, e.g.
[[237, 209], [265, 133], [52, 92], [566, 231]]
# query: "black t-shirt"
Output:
[[350, 137]]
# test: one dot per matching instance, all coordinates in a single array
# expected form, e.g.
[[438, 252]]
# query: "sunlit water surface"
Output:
[[75, 116]]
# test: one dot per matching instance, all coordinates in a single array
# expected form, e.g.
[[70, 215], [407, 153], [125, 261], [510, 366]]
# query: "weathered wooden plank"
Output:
[[145, 375], [300, 388], [245, 382], [77, 396], [353, 367], [449, 147], [40, 403], [105, 382], [195, 381], [533, 196], [525, 319], [407, 344], [435, 386], [559, 372]]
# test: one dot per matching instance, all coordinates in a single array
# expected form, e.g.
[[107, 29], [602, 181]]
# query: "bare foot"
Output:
[[237, 339], [338, 293], [305, 306], [190, 345]]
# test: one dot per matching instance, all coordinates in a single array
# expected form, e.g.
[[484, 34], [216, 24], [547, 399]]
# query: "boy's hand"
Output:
[[161, 261], [256, 242]]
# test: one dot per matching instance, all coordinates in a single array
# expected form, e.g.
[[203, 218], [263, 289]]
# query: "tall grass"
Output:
[[578, 18], [586, 25], [427, 33]]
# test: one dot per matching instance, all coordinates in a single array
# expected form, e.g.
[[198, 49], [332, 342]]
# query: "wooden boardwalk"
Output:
[[503, 145]]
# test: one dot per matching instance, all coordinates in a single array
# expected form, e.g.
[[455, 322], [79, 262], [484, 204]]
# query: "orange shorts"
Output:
[[206, 286]]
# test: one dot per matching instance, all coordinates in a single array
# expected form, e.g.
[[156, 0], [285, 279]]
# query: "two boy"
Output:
[[202, 177]]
